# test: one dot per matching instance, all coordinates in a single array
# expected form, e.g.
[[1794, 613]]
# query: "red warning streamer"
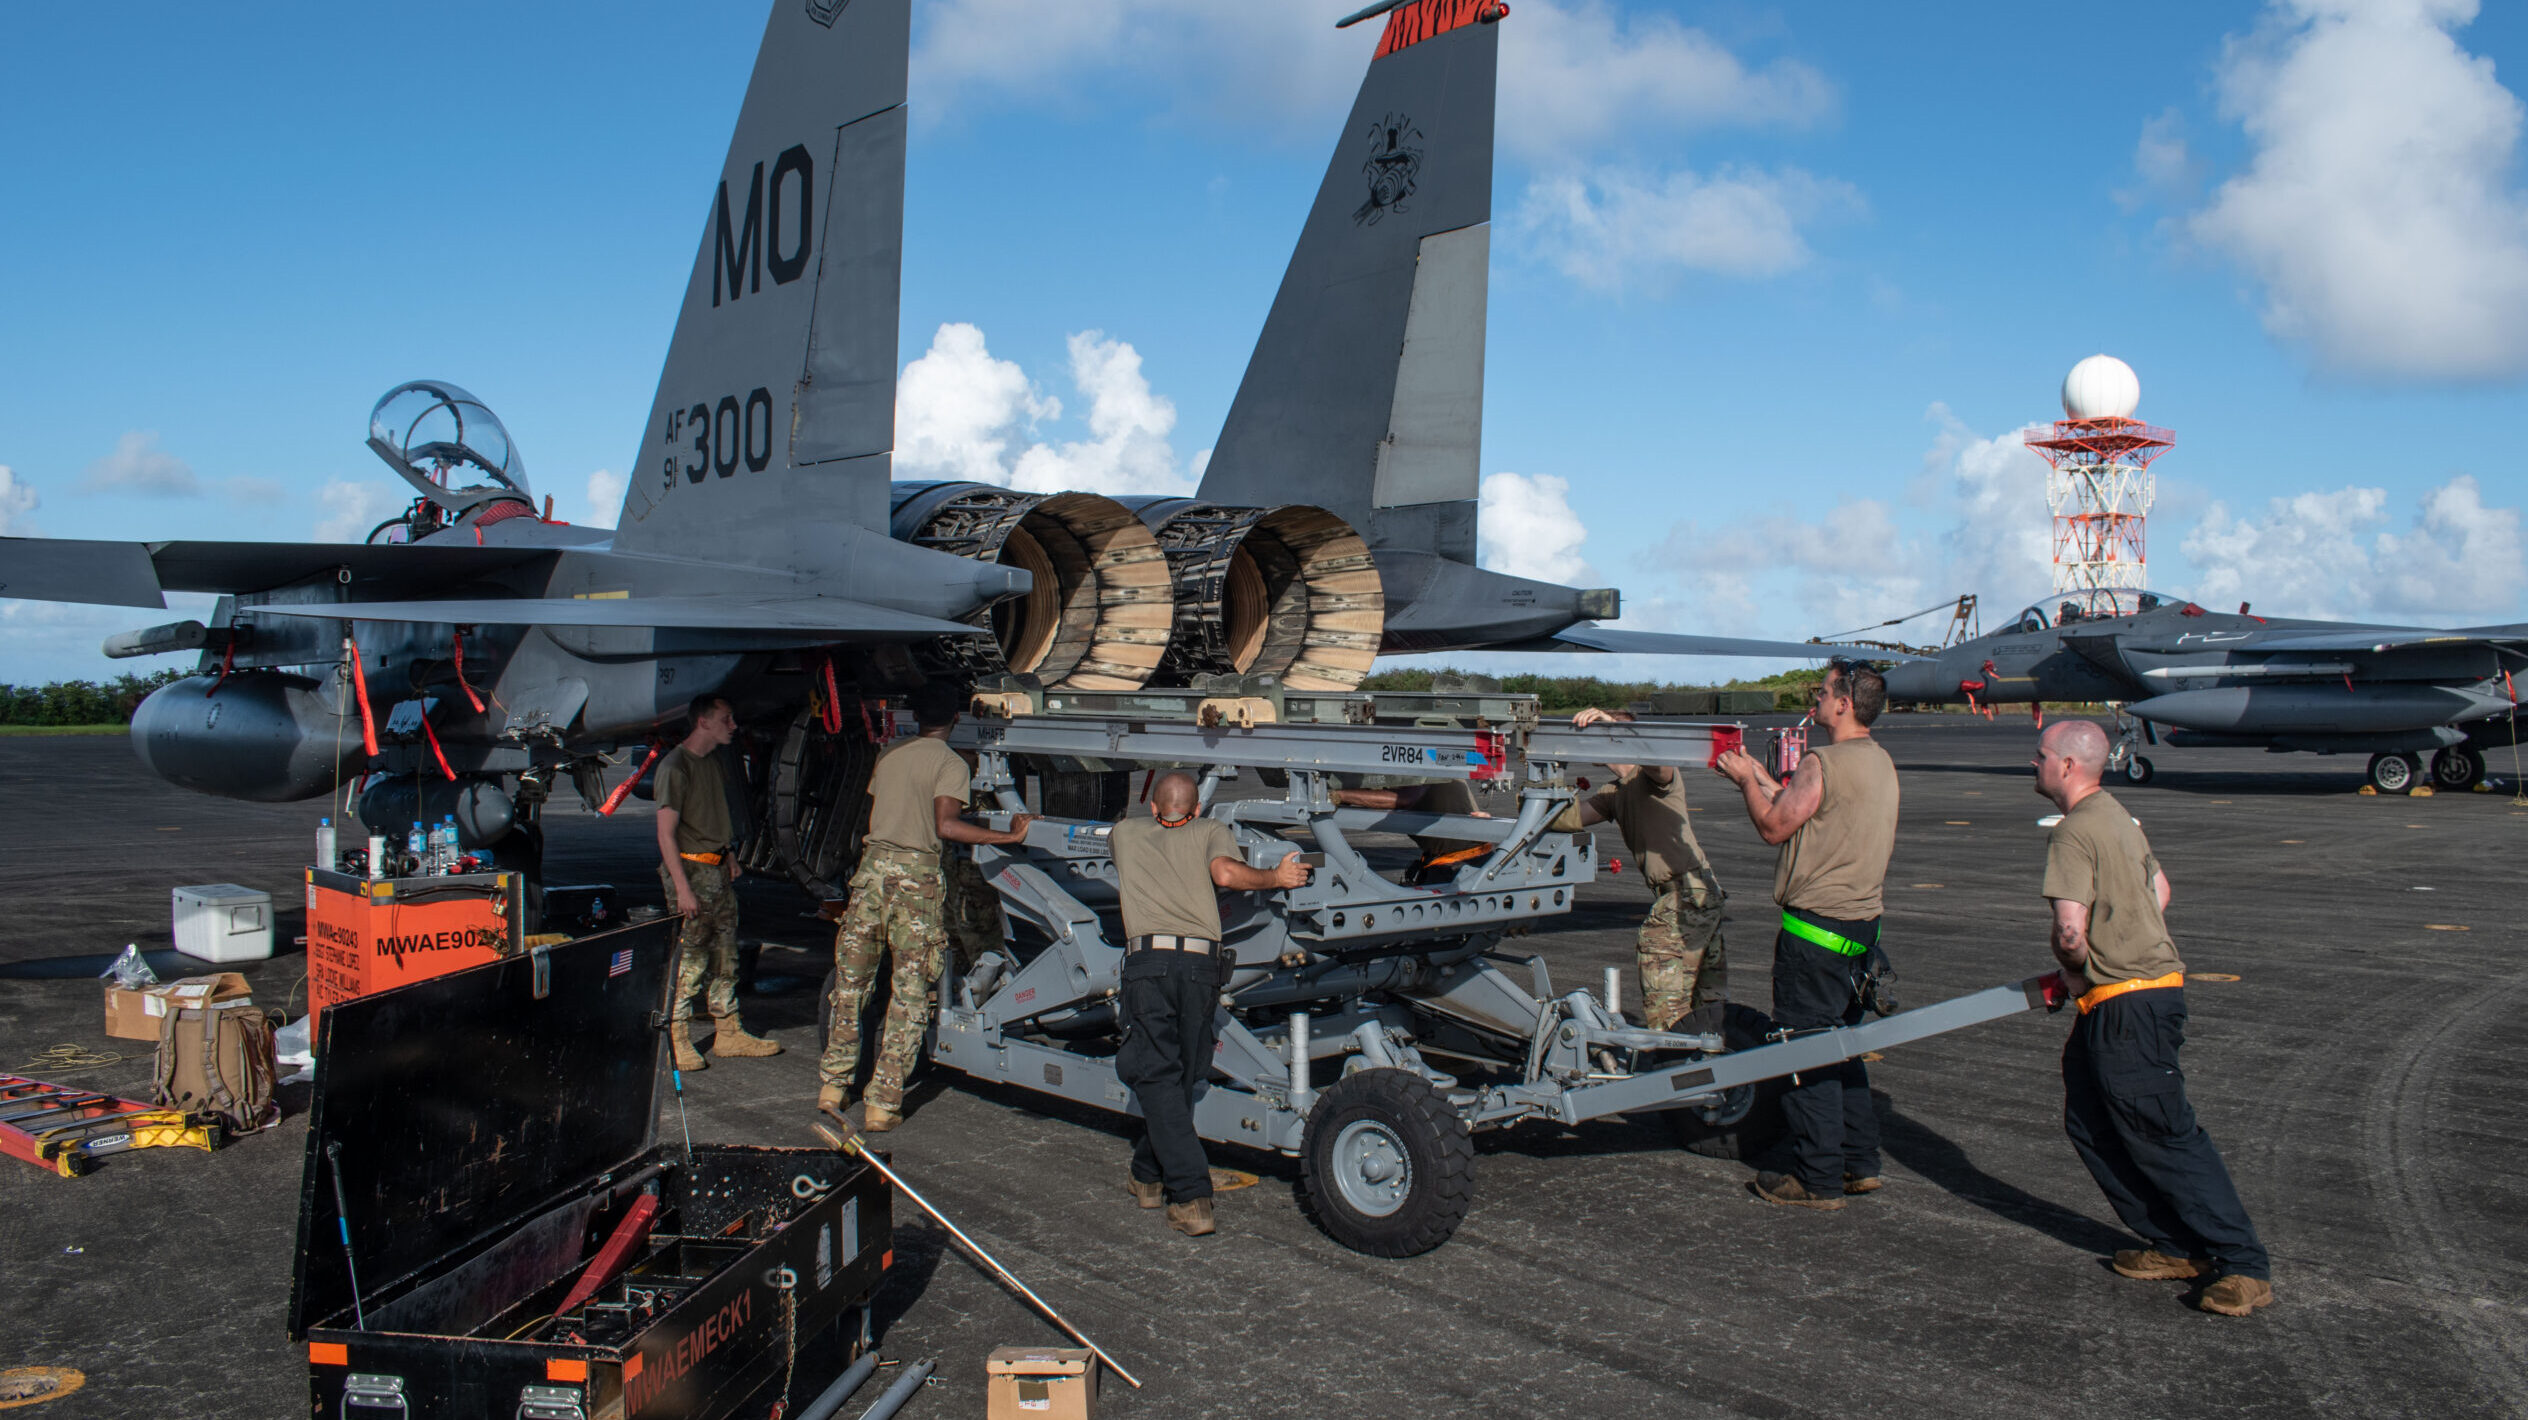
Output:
[[227, 659], [623, 790], [475, 700], [360, 688], [432, 735], [833, 715]]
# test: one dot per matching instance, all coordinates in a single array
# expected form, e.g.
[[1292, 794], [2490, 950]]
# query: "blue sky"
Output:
[[1773, 288]]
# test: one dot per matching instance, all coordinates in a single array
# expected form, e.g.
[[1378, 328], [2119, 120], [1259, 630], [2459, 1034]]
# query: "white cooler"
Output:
[[223, 922]]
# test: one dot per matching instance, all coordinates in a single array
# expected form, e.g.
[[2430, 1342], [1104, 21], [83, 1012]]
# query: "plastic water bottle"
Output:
[[448, 846], [377, 856], [325, 857], [417, 844]]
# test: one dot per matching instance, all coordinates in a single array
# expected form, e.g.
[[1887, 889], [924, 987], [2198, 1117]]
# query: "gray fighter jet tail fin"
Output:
[[775, 411], [1365, 392]]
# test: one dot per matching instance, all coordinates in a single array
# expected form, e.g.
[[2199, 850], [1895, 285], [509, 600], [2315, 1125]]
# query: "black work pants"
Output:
[[2125, 1108], [1833, 1131], [1168, 998]]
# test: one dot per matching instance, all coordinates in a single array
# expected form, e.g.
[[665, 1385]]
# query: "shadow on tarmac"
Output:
[[1927, 1152]]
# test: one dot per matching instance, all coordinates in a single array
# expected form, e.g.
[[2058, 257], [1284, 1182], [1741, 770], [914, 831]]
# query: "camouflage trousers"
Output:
[[973, 913], [706, 943], [898, 902], [1679, 950]]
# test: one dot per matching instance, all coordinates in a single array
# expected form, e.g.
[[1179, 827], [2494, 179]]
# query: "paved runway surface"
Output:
[[2361, 1074]]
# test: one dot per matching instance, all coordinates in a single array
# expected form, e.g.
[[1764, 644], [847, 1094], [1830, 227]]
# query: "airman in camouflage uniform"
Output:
[[900, 907], [698, 870], [973, 912], [1679, 951]]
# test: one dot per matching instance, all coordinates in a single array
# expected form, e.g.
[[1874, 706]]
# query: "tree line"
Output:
[[80, 702]]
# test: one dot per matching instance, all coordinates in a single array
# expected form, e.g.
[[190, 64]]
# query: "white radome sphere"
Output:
[[2101, 387]]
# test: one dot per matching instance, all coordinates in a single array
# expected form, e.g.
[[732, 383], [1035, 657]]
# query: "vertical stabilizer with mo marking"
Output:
[[1365, 392], [775, 412]]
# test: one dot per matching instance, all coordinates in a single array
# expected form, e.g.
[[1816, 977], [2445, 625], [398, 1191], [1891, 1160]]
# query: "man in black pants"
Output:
[[2124, 1096], [1169, 869], [1836, 822]]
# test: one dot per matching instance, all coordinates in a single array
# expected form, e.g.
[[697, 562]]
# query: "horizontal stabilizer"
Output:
[[56, 569], [829, 618], [1589, 636]]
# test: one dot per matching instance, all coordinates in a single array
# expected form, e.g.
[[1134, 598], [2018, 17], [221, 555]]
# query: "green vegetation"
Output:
[[8, 731], [79, 706], [1560, 695]]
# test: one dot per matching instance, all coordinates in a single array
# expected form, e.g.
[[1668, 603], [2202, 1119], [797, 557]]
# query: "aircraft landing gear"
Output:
[[2124, 757], [2138, 770], [2459, 767], [2394, 773]]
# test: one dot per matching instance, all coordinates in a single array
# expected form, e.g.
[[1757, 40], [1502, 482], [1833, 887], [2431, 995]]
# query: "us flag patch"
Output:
[[621, 964]]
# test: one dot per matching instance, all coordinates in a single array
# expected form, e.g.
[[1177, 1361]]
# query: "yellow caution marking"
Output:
[[1872, 1058], [1959, 822], [2209, 976], [600, 596], [2295, 840], [2218, 801], [1931, 885], [2445, 927]]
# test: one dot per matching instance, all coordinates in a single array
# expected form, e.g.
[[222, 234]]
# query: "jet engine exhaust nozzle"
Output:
[[1096, 613], [1288, 591]]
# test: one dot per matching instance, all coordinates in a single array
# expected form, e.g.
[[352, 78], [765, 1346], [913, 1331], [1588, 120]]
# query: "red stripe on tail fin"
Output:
[[1427, 19]]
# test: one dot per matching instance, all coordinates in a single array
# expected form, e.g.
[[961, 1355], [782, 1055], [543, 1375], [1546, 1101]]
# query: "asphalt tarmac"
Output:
[[2355, 1050]]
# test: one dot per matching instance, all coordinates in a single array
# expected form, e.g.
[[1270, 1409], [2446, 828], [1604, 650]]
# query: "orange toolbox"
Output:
[[366, 935]]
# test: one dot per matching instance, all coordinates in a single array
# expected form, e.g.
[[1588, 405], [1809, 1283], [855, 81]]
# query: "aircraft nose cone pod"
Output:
[[447, 445]]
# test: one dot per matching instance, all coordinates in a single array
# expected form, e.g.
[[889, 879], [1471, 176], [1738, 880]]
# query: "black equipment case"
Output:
[[492, 1135]]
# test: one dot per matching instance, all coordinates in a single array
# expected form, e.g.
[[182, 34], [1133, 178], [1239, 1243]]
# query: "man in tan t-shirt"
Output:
[[698, 868], [1678, 951], [1836, 823], [917, 799], [1169, 871], [2124, 1095]]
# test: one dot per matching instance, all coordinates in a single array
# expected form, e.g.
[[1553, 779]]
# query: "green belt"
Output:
[[1832, 941]]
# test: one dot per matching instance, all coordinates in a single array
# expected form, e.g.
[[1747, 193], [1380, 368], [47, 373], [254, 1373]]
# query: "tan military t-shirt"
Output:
[[697, 790], [1654, 824], [2098, 856], [911, 773], [1447, 796], [1836, 863], [1164, 875]]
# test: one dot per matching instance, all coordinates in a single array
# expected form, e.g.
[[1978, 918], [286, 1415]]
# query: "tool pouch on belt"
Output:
[[1876, 990], [217, 1062]]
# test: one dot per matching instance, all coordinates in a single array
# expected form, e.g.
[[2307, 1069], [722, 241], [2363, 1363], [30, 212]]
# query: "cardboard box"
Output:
[[1041, 1383], [134, 1015]]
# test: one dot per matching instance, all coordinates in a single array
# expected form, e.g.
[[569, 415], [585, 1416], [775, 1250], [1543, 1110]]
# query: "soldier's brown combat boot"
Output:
[[876, 1118], [1791, 1193], [1148, 1195], [829, 1099], [688, 1059], [2234, 1295], [730, 1041], [1858, 1184], [2151, 1265], [1192, 1219]]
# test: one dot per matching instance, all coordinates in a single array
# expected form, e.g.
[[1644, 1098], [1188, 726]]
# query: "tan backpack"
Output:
[[216, 1062]]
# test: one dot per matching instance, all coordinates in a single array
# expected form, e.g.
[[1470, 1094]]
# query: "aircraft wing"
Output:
[[828, 618], [2390, 639], [1589, 636], [61, 569]]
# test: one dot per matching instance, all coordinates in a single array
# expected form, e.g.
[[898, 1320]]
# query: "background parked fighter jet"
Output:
[[763, 553], [2214, 678]]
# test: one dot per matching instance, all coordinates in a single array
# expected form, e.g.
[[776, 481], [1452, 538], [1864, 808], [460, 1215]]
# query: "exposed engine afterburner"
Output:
[[1100, 613], [1287, 591]]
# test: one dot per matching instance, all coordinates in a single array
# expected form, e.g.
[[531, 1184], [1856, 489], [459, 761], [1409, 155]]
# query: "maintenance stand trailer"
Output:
[[1344, 998]]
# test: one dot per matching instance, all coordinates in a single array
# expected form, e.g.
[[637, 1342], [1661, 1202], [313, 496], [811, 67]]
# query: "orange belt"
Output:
[[714, 860], [2096, 996]]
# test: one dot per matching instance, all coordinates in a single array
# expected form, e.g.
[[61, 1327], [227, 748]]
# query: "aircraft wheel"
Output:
[[2393, 773], [2460, 767], [1387, 1167], [2138, 770], [1085, 794], [1748, 1120]]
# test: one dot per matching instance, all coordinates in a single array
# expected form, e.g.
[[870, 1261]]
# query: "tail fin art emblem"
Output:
[[826, 12], [1392, 168]]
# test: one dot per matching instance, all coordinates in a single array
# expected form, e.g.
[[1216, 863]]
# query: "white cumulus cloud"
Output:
[[604, 498], [17, 499], [961, 412], [2337, 555], [2381, 210], [1579, 78], [138, 465], [1615, 227], [1526, 527], [352, 509]]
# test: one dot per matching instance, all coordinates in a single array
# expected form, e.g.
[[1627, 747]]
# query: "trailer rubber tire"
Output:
[[1761, 1127], [1386, 1131], [1091, 795]]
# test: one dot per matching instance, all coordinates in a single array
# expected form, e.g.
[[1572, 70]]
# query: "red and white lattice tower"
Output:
[[2100, 486]]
